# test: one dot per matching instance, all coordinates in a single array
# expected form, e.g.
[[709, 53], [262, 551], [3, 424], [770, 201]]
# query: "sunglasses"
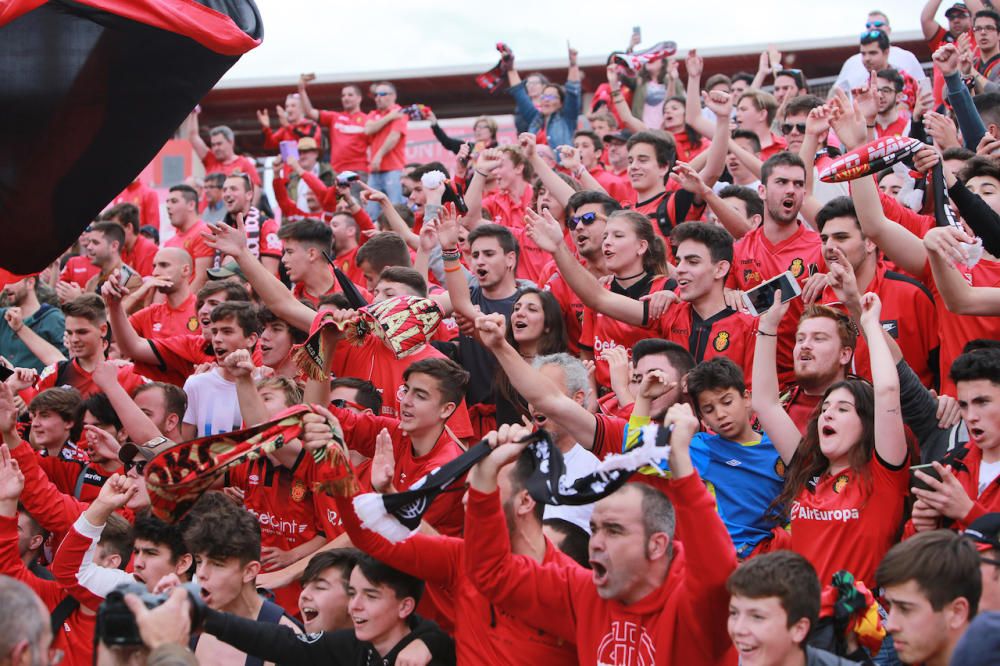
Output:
[[137, 466], [382, 94], [872, 33], [549, 98], [341, 403], [874, 24], [586, 220], [786, 128]]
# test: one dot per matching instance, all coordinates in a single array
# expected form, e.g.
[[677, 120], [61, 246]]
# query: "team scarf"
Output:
[[178, 476], [405, 324], [944, 215], [549, 484], [635, 60], [493, 80]]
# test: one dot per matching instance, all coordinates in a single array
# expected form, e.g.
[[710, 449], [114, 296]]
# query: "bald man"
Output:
[[174, 314]]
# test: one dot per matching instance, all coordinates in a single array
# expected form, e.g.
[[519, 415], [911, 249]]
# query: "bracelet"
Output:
[[452, 269], [484, 175], [770, 335], [870, 126], [451, 256]]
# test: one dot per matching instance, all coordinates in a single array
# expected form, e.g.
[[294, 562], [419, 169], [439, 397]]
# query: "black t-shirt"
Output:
[[474, 357]]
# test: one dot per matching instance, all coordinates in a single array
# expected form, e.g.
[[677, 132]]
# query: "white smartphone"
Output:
[[760, 299]]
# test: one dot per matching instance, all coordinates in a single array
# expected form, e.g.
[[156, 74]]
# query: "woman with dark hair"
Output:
[[846, 480]]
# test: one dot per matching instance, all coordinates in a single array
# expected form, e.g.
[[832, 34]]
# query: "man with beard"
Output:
[[29, 330], [182, 211], [175, 315], [781, 243], [261, 232], [889, 121]]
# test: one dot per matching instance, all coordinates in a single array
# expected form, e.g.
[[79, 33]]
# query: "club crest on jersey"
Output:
[[721, 342], [797, 267], [840, 483], [192, 324], [779, 467], [298, 491], [751, 277]]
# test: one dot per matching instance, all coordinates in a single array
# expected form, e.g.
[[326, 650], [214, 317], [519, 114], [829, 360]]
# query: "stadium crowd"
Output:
[[817, 360]]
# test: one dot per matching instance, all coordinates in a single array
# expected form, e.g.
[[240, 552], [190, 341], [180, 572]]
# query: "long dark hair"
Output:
[[553, 341], [693, 136], [809, 461]]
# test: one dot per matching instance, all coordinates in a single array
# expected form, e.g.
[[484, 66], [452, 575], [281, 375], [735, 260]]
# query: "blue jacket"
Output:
[[48, 322], [560, 126]]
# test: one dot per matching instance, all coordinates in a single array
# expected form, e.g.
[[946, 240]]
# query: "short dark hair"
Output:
[[243, 311], [117, 538], [596, 140], [452, 378], [754, 204], [507, 241], [216, 178], [308, 232], [988, 106], [405, 275], [366, 395], [219, 528], [189, 193], [88, 306], [784, 158], [797, 75], [718, 241], [575, 541], [876, 37], [892, 76], [679, 357], [235, 291], [716, 374], [342, 559], [988, 13], [663, 145], [802, 104], [243, 178], [112, 231], [99, 405], [783, 574], [657, 511], [745, 77], [983, 363], [961, 152], [522, 470], [384, 249], [402, 584], [836, 207], [64, 401], [749, 136], [123, 214], [579, 199], [979, 166], [419, 172], [265, 316], [943, 563], [150, 528]]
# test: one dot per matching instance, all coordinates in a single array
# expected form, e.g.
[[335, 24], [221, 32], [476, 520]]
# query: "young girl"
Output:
[[690, 143], [846, 480]]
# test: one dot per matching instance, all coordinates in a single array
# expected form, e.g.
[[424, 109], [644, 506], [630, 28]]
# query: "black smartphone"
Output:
[[917, 482]]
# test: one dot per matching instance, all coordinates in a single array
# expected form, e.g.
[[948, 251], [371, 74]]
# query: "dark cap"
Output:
[[226, 271], [621, 136], [957, 8], [985, 531]]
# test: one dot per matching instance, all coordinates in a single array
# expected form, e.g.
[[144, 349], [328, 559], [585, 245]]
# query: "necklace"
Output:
[[631, 277]]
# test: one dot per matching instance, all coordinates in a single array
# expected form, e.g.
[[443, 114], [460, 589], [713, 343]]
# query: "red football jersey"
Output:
[[73, 375], [506, 210], [348, 141], [159, 320], [572, 309], [239, 163], [395, 158], [141, 256], [78, 270], [192, 242], [727, 333]]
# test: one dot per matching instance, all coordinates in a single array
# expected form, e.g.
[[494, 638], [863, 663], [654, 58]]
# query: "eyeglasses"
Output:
[[984, 28], [382, 94], [987, 560], [586, 220], [887, 91], [786, 128], [341, 403]]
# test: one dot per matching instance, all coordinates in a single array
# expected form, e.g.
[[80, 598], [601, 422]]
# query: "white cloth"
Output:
[[855, 74], [213, 407], [579, 462], [988, 472]]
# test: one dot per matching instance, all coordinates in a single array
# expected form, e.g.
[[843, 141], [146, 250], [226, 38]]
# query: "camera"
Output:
[[347, 177], [115, 623]]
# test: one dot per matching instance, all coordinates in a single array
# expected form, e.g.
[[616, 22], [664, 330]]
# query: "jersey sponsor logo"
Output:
[[797, 267], [627, 644], [825, 515], [273, 242], [751, 277], [253, 479], [278, 524], [298, 491], [157, 327], [891, 327], [192, 324], [721, 341], [840, 483], [605, 345]]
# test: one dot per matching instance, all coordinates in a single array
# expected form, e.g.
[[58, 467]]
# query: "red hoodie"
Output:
[[483, 634], [681, 622]]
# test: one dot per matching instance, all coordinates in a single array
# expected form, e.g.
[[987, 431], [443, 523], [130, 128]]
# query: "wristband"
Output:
[[484, 175], [454, 255], [452, 269], [872, 126], [769, 335]]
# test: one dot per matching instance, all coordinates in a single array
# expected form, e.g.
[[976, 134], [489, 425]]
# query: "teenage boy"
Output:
[[930, 587], [510, 169], [741, 464], [631, 602], [774, 605], [589, 147], [86, 340], [307, 244], [54, 413], [224, 539], [382, 601], [970, 475], [137, 251], [175, 314], [755, 112], [213, 407], [29, 331]]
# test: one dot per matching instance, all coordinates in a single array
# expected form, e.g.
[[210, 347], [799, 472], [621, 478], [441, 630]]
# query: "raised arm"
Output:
[[194, 136], [140, 428], [928, 23], [486, 163], [721, 104], [307, 107], [890, 438], [241, 367], [454, 277], [778, 425], [569, 158], [623, 109], [695, 65], [729, 217], [272, 292], [546, 233], [396, 223], [130, 343], [45, 351], [943, 250], [550, 179]]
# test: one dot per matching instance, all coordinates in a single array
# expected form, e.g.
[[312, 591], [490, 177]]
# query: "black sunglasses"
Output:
[[586, 220], [786, 128], [137, 466]]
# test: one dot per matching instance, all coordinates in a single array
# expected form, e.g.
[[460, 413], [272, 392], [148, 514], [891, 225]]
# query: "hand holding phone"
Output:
[[760, 299]]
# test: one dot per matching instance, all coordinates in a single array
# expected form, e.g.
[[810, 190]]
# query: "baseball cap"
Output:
[[227, 270], [621, 136], [985, 531], [307, 143], [957, 8]]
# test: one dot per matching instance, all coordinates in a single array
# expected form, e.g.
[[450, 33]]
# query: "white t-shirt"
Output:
[[855, 74], [579, 462], [988, 472], [213, 407]]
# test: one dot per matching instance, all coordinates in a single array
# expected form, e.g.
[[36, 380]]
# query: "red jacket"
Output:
[[681, 622], [484, 634]]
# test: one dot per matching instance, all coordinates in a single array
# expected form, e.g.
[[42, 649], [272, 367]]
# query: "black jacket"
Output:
[[278, 643]]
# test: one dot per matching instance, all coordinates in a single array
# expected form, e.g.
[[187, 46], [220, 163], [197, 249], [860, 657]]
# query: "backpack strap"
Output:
[[62, 612]]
